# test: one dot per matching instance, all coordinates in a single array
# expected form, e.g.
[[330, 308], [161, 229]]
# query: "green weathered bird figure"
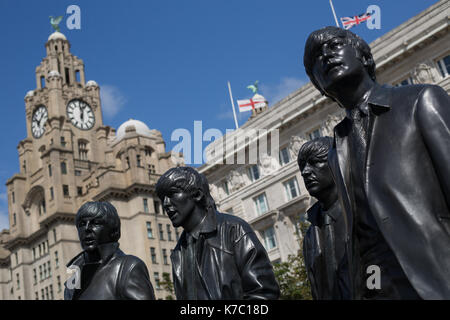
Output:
[[254, 87], [55, 22]]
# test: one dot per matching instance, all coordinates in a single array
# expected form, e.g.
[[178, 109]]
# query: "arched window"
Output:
[[42, 82]]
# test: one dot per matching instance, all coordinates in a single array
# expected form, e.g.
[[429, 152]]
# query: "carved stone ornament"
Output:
[[235, 180], [294, 145], [330, 123], [423, 73], [268, 165]]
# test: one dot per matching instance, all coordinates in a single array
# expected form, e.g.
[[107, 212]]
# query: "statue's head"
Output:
[[333, 54], [97, 223], [182, 191], [313, 163]]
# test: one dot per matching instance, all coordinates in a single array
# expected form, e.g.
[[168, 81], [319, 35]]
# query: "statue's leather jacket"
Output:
[[231, 262], [116, 276]]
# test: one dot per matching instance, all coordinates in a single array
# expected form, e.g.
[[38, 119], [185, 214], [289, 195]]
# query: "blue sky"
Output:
[[167, 63]]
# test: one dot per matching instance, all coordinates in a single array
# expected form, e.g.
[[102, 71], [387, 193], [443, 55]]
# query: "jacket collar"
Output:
[[106, 250], [380, 99], [207, 225]]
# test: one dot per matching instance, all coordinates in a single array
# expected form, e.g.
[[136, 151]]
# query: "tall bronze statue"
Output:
[[104, 271], [325, 245], [218, 256], [390, 162]]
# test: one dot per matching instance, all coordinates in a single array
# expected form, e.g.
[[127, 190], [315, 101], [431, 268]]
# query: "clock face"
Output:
[[38, 120], [80, 114]]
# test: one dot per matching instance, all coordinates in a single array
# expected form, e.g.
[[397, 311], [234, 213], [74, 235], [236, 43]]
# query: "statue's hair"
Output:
[[97, 208], [186, 179], [317, 38], [317, 148]]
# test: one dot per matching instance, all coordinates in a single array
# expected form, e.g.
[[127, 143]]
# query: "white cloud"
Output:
[[112, 100], [275, 93], [4, 219]]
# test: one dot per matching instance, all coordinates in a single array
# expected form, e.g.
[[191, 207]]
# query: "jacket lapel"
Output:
[[379, 103]]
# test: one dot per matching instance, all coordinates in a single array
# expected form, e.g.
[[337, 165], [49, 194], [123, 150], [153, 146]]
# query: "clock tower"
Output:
[[70, 157]]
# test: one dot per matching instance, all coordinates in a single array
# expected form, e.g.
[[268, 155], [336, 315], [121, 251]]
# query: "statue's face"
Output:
[[179, 206], [317, 176], [93, 231], [335, 63]]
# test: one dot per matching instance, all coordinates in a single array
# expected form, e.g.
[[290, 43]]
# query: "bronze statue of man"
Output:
[[325, 244], [390, 162], [105, 272], [218, 256]]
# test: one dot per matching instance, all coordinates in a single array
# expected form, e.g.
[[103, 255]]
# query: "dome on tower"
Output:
[[57, 35], [140, 128], [91, 83]]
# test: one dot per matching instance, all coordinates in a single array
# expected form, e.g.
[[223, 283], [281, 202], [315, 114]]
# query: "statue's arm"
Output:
[[258, 279], [134, 281], [433, 118]]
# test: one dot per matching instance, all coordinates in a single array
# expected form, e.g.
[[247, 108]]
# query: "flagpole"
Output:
[[334, 14], [232, 104]]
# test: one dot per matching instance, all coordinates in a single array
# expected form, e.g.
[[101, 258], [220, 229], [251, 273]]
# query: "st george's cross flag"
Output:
[[250, 104], [348, 22]]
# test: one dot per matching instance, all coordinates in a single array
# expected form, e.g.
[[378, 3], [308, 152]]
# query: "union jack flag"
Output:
[[348, 22]]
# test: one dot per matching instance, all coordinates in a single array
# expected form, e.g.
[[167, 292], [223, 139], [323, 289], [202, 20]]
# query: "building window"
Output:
[[24, 166], [44, 266], [157, 205], [40, 250], [164, 253], [17, 258], [161, 231], [34, 253], [54, 236], [157, 285], [58, 280], [52, 195], [261, 204], [51, 292], [285, 157], [138, 160], [291, 188], [151, 169], [36, 296], [49, 170], [169, 233], [42, 294], [127, 159], [63, 142], [77, 74], [148, 151], [79, 191], [78, 173], [145, 202], [253, 172], [18, 281], [49, 269], [153, 255], [13, 197], [269, 238], [14, 219], [225, 187], [34, 276], [444, 66], [56, 260], [314, 134], [43, 208], [63, 168], [82, 150], [149, 230], [46, 293], [65, 190], [42, 82]]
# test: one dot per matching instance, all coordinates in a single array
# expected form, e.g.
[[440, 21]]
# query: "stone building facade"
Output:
[[270, 194], [70, 157]]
